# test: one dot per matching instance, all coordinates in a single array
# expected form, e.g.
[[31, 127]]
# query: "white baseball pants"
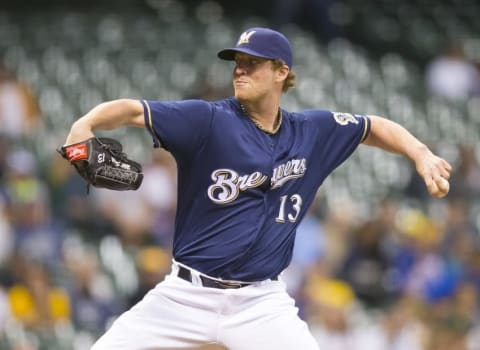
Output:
[[178, 314]]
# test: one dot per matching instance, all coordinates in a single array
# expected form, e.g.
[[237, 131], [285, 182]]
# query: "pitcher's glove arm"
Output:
[[101, 162]]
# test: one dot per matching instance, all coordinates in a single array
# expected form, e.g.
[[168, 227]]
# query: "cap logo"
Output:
[[245, 37]]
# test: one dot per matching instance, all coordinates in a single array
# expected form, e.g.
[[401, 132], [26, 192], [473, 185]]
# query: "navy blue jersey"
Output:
[[241, 191]]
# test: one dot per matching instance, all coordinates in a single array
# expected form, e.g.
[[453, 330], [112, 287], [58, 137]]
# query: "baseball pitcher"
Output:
[[247, 172]]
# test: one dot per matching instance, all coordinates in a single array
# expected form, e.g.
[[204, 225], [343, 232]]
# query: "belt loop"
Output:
[[196, 280], [174, 268], [194, 274]]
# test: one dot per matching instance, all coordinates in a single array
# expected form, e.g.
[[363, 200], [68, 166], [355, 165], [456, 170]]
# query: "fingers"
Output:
[[432, 186], [436, 172], [445, 169], [441, 170]]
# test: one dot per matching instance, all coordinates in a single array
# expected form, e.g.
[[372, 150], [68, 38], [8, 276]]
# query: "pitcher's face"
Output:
[[253, 77]]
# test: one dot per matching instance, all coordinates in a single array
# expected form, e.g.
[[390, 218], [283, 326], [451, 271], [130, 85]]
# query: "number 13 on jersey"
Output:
[[289, 206]]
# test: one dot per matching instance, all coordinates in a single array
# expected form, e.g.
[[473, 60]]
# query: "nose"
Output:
[[239, 69]]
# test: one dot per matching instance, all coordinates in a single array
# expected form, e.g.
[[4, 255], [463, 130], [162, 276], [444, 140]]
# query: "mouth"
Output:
[[240, 83]]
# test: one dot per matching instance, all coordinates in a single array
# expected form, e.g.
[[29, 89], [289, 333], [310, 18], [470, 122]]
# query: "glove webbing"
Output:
[[110, 172]]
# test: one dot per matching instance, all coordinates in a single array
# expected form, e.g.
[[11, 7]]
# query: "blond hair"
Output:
[[290, 81]]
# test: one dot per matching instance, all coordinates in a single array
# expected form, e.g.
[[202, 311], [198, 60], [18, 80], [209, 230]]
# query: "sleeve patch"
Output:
[[344, 118]]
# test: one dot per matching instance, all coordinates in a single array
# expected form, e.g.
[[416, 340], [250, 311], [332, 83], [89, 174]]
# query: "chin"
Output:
[[241, 95]]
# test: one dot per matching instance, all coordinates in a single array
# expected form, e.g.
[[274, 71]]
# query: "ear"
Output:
[[282, 73]]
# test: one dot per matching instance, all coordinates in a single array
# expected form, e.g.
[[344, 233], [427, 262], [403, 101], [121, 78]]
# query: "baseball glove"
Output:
[[101, 162]]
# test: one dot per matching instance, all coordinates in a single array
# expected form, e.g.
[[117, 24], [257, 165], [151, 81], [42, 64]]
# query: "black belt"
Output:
[[186, 275]]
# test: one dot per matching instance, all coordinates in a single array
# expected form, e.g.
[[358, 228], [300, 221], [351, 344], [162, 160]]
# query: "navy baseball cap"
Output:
[[261, 42]]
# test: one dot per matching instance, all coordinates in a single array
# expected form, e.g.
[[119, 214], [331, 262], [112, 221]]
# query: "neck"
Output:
[[265, 115]]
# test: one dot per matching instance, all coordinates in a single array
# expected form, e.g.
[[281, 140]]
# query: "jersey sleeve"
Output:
[[180, 127], [338, 135]]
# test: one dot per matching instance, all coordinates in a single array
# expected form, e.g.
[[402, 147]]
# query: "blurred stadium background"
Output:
[[378, 264]]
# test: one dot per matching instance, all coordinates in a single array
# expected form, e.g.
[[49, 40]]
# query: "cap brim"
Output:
[[229, 54]]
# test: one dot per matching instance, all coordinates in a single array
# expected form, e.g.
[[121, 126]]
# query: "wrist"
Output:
[[79, 131], [419, 152]]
